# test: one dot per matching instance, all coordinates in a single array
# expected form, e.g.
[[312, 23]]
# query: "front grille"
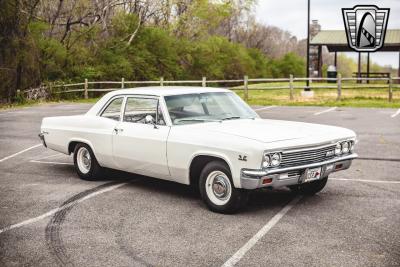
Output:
[[296, 158]]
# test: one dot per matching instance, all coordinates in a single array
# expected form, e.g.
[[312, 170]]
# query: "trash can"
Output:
[[331, 73]]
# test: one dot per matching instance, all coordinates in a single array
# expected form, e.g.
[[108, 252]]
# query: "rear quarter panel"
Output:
[[92, 130]]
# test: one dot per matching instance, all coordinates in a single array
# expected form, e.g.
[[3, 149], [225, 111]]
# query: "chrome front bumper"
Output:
[[252, 179]]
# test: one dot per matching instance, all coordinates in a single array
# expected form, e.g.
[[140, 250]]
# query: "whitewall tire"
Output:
[[85, 162], [217, 189]]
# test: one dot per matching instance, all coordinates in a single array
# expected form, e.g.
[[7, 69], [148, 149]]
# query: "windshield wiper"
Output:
[[231, 118]]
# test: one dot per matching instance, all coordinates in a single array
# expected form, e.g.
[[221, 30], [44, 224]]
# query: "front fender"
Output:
[[215, 154]]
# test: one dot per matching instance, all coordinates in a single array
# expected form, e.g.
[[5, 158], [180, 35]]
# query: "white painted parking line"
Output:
[[365, 181], [264, 108], [262, 232], [50, 156], [395, 114], [20, 152], [325, 111], [54, 211], [51, 162]]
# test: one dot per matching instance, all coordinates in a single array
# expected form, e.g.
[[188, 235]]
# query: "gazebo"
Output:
[[336, 41]]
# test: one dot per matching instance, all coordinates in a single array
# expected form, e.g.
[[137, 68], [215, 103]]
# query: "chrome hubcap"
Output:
[[84, 160], [218, 188]]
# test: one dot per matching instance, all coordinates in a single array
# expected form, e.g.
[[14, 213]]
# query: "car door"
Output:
[[101, 130], [139, 144]]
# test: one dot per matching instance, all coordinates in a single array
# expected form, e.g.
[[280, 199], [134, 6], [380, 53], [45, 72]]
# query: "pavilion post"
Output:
[[368, 66], [398, 70], [335, 63], [320, 61], [359, 68]]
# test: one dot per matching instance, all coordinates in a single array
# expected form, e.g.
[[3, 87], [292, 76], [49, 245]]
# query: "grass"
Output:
[[259, 94], [31, 103]]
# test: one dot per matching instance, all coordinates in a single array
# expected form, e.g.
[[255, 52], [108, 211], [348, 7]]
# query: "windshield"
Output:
[[204, 107]]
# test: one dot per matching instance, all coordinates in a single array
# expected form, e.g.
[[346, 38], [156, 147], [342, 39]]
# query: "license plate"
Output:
[[313, 174]]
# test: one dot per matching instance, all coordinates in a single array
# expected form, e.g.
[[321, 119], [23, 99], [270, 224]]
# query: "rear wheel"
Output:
[[310, 188], [85, 162], [217, 190]]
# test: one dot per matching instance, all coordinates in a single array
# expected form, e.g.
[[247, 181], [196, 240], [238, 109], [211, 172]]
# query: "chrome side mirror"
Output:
[[150, 120]]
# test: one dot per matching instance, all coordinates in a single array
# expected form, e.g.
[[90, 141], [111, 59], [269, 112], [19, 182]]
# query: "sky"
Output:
[[291, 15]]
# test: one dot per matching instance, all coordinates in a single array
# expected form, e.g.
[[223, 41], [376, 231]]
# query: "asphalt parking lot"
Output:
[[49, 217]]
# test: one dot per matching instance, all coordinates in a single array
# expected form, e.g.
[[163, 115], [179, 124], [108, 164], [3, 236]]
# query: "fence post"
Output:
[[86, 89], [390, 88], [50, 89], [339, 87], [246, 87], [204, 82], [291, 86], [161, 81], [122, 83]]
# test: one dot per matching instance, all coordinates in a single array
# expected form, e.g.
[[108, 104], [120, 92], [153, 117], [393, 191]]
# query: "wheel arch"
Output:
[[73, 142], [200, 160]]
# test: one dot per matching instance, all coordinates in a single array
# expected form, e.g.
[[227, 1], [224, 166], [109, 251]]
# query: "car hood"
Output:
[[268, 131]]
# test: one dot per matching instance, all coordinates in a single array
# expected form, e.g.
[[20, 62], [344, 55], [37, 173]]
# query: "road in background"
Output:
[[145, 222]]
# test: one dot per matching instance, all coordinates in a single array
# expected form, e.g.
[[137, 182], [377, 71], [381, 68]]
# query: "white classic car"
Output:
[[206, 137]]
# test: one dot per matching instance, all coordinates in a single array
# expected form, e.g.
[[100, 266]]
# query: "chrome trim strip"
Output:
[[348, 157], [254, 173], [258, 173], [310, 148], [315, 146]]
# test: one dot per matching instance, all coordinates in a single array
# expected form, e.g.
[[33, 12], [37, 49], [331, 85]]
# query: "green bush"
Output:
[[154, 52]]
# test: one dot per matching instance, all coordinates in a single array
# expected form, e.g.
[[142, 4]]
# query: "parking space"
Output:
[[50, 217]]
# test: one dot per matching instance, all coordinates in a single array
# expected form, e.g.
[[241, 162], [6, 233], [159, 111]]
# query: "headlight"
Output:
[[351, 146], [266, 161], [338, 149], [271, 160], [345, 147], [275, 159]]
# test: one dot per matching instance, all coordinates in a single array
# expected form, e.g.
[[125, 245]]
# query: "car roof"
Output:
[[167, 90]]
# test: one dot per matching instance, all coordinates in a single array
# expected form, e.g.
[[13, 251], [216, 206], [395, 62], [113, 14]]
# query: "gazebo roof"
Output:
[[336, 40]]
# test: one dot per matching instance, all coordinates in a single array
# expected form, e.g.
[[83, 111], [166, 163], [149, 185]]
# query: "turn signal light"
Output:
[[339, 166], [267, 180]]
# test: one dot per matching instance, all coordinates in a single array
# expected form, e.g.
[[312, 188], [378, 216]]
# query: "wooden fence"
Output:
[[241, 84]]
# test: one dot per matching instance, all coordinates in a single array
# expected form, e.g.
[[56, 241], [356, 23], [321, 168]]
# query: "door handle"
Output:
[[117, 130]]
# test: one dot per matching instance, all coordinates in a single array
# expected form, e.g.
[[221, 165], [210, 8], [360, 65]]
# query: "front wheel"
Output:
[[217, 190], [310, 188], [85, 162]]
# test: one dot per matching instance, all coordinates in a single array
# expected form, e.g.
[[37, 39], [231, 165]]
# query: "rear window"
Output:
[[113, 110]]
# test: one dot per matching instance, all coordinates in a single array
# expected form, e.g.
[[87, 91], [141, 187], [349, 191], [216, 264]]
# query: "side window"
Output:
[[113, 110], [136, 110]]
